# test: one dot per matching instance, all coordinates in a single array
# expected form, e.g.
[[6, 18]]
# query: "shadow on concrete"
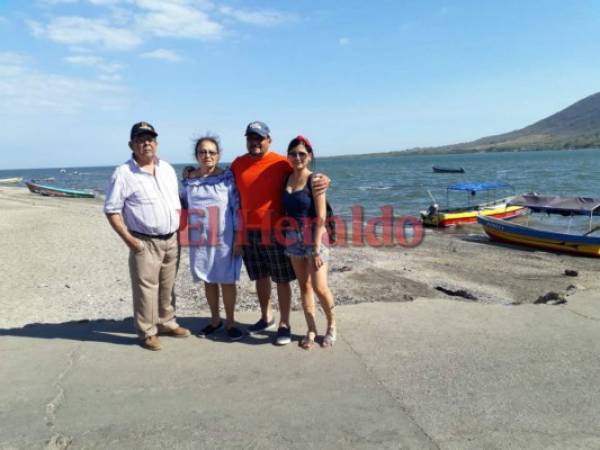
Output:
[[121, 332], [118, 332]]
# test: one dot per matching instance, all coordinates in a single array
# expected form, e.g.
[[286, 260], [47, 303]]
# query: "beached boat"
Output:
[[52, 191], [438, 169], [11, 180], [567, 242], [435, 216]]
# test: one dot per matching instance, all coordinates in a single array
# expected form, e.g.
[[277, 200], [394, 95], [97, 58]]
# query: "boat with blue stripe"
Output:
[[52, 191], [565, 242]]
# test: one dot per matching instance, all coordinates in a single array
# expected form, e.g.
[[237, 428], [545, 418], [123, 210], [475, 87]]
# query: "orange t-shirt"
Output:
[[260, 182]]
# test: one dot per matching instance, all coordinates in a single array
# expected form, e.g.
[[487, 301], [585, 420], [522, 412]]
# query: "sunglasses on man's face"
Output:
[[301, 155]]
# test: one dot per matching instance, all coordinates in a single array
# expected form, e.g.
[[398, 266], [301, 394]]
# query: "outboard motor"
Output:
[[433, 209]]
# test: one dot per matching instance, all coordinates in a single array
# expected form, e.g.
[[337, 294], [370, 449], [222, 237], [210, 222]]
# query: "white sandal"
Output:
[[329, 339]]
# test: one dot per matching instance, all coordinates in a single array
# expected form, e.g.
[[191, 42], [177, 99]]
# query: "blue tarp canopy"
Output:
[[476, 187]]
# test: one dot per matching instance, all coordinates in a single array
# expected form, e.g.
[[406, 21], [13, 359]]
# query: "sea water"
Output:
[[403, 182]]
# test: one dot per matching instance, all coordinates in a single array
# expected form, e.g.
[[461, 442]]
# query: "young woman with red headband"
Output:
[[306, 237]]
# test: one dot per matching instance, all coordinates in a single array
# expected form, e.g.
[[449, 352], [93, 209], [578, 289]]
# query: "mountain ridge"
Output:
[[575, 127]]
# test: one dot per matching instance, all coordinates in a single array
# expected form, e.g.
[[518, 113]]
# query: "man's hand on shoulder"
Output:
[[320, 183], [187, 171]]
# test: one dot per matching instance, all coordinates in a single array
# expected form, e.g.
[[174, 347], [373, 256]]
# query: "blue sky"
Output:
[[355, 77]]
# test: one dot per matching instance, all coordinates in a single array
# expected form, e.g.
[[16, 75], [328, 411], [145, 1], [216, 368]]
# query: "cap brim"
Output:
[[247, 133], [144, 132]]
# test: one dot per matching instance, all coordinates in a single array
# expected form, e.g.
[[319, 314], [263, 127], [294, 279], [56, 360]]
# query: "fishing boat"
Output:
[[475, 206], [11, 180], [51, 191], [567, 242], [438, 169]]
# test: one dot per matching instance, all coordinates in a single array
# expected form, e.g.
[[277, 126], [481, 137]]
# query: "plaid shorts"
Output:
[[266, 260]]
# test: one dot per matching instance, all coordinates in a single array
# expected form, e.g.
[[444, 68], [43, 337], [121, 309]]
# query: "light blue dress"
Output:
[[213, 204]]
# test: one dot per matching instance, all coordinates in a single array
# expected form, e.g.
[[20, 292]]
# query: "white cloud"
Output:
[[163, 54], [74, 30], [12, 64], [84, 60], [13, 59], [80, 49], [58, 2], [94, 61], [37, 29], [105, 2], [120, 16], [126, 24], [110, 78], [260, 18], [344, 41], [23, 89], [176, 19]]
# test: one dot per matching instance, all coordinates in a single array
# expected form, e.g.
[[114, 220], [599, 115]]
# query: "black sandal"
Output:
[[210, 329]]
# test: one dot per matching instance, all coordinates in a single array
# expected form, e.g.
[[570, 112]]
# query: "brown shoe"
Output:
[[179, 332], [151, 343]]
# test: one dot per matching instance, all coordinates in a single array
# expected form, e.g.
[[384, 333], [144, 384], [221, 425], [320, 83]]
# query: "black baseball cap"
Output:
[[141, 128]]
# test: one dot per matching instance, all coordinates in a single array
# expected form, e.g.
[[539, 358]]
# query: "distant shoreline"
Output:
[[390, 154], [426, 152]]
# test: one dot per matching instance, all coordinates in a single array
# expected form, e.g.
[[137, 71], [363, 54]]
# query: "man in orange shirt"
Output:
[[260, 176]]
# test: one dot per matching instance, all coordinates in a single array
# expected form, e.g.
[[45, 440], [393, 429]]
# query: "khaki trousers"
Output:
[[153, 271]]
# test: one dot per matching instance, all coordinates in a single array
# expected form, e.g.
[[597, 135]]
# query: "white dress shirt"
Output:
[[149, 204]]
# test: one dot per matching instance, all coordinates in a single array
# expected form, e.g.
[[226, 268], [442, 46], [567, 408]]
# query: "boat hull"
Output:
[[50, 191], [467, 216], [11, 180], [448, 170], [510, 233]]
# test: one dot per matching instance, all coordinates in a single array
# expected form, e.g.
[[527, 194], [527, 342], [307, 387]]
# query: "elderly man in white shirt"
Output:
[[142, 205]]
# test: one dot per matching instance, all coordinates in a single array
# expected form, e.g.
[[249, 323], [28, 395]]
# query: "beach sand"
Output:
[[412, 368], [62, 262]]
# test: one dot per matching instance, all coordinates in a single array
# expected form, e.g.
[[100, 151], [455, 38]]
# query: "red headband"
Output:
[[304, 141]]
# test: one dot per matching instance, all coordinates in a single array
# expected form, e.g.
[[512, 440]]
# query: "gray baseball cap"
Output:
[[259, 128]]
